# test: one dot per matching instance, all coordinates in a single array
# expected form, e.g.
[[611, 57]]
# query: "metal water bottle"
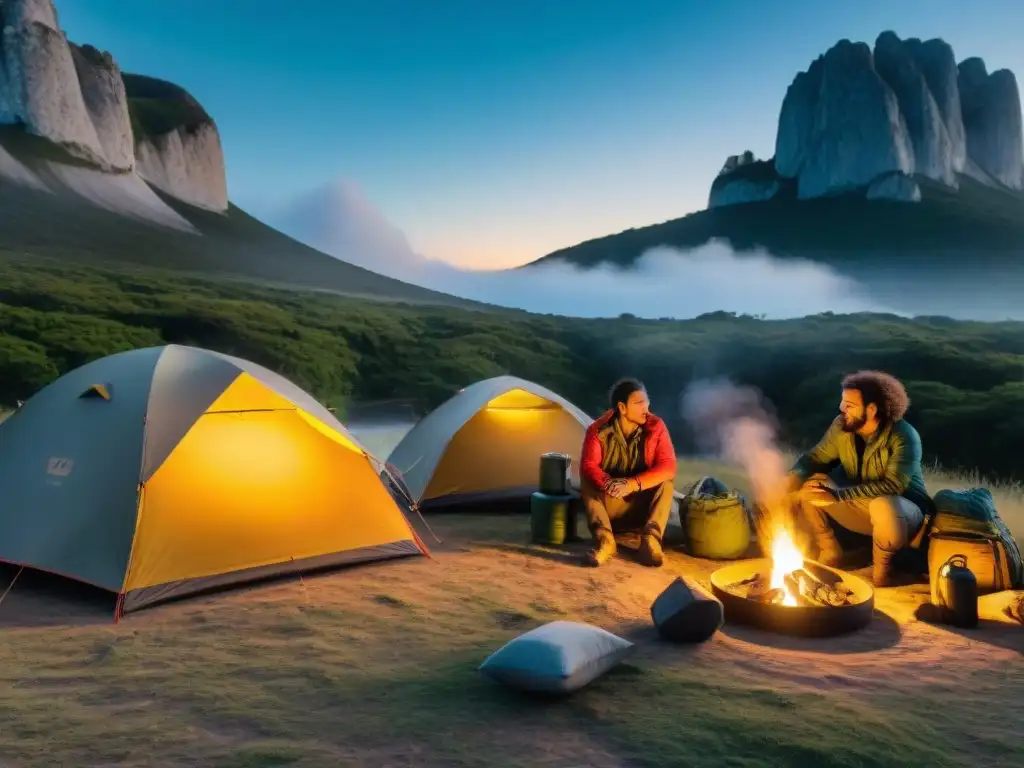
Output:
[[957, 592]]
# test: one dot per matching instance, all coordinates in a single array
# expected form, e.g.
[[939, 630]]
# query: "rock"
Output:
[[896, 64], [177, 145], [859, 132], [796, 120], [742, 191], [736, 161], [743, 179], [937, 63], [894, 186], [992, 120], [107, 104], [187, 164], [41, 83]]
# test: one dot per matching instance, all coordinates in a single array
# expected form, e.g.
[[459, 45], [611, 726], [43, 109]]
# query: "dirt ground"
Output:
[[376, 665]]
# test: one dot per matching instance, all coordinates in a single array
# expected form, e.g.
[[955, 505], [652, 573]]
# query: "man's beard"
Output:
[[853, 426]]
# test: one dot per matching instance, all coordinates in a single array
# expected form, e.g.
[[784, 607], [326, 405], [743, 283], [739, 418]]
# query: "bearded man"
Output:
[[627, 468], [880, 490]]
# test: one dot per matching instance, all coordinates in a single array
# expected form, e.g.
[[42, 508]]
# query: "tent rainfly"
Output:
[[485, 442], [164, 471]]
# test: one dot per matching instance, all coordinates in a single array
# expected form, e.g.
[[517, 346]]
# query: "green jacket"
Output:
[[891, 465]]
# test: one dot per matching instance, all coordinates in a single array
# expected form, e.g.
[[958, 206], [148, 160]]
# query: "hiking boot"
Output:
[[829, 552], [881, 566], [649, 552], [603, 551]]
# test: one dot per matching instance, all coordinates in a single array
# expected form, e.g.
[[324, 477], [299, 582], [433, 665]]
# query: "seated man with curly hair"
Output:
[[880, 490]]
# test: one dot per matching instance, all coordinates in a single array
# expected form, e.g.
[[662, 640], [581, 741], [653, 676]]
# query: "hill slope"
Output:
[[928, 256], [56, 207]]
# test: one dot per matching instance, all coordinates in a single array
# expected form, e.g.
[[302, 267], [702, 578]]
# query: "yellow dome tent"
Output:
[[484, 444], [164, 471]]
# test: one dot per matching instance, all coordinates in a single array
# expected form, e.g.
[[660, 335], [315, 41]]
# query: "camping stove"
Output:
[[811, 601]]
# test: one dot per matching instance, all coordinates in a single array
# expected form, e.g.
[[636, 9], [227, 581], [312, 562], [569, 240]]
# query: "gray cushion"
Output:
[[559, 657]]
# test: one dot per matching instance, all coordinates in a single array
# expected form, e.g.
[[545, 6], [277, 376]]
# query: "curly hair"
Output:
[[884, 390]]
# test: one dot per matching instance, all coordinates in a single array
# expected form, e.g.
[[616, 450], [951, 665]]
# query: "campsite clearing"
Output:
[[377, 665]]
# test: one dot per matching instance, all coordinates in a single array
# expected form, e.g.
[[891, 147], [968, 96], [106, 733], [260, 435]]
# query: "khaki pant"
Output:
[[890, 521], [645, 512]]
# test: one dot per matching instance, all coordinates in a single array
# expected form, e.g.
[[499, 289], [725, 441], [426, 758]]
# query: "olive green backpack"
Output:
[[967, 523], [716, 521]]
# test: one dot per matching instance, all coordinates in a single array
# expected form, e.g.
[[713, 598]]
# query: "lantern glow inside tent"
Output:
[[164, 471]]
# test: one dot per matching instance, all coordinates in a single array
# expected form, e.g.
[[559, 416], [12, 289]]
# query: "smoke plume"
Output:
[[738, 424]]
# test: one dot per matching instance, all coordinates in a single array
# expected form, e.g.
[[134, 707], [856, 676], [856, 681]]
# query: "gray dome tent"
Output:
[[484, 443]]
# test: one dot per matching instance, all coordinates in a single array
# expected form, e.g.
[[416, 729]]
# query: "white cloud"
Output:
[[665, 282]]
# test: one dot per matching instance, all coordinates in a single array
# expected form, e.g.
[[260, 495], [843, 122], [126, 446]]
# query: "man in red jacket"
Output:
[[627, 466]]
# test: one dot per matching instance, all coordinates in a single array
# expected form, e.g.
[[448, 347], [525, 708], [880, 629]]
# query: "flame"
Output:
[[786, 558]]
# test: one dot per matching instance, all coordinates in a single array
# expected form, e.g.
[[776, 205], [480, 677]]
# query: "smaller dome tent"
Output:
[[484, 444], [165, 471]]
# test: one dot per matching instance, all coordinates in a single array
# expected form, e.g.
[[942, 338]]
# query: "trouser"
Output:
[[644, 512], [890, 521]]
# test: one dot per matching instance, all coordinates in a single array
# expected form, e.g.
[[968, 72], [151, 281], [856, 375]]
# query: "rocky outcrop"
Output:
[[894, 186], [177, 145], [937, 64], [933, 150], [856, 131], [107, 104], [743, 179], [873, 121], [41, 89], [993, 122], [77, 98], [187, 164]]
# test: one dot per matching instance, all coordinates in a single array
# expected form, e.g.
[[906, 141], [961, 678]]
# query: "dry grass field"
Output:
[[376, 666]]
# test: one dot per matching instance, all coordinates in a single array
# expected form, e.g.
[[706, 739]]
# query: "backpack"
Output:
[[716, 521], [967, 523]]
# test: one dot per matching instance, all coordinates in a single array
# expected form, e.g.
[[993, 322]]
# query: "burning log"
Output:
[[773, 596], [795, 588], [822, 574], [818, 592], [750, 581]]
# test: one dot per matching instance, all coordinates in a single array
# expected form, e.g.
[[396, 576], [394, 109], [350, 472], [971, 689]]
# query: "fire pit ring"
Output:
[[800, 620]]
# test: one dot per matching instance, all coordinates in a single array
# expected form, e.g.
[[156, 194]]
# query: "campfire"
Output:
[[793, 581], [786, 592]]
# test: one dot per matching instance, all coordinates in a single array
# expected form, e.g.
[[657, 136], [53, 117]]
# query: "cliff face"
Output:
[[743, 179], [871, 120], [992, 120], [77, 98], [106, 104], [177, 145], [41, 89]]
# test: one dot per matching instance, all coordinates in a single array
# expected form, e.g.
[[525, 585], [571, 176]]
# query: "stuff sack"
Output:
[[967, 523], [557, 658], [686, 613], [716, 521]]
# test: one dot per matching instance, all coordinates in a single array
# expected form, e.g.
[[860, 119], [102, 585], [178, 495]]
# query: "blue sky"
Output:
[[495, 131]]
